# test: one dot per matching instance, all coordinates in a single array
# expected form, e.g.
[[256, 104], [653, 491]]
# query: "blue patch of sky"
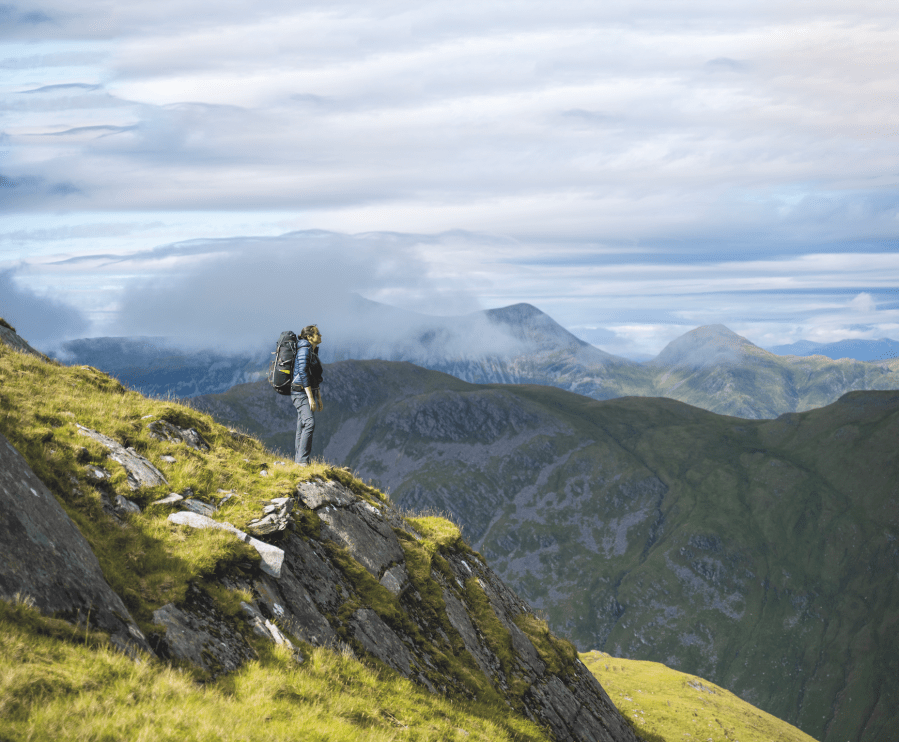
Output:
[[697, 252]]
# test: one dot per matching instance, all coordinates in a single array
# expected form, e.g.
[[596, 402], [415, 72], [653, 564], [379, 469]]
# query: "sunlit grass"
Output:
[[663, 704], [57, 683]]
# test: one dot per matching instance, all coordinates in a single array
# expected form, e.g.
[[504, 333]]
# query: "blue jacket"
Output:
[[307, 370]]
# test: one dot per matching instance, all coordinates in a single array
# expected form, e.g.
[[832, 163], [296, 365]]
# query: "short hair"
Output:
[[309, 332]]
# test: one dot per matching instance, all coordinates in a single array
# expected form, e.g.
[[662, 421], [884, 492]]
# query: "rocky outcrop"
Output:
[[9, 337], [344, 578], [141, 473], [45, 557], [313, 598], [163, 430], [198, 634], [275, 517]]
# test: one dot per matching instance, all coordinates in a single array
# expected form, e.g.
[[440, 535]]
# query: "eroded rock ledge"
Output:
[[354, 572]]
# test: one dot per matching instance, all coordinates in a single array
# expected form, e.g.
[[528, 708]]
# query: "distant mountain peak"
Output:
[[704, 346], [515, 313]]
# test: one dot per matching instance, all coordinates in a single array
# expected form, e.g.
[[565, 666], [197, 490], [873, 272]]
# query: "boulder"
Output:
[[199, 634], [276, 517], [272, 556], [163, 430], [141, 473], [46, 558]]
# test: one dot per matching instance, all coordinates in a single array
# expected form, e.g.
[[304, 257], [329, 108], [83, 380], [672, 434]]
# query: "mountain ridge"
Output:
[[709, 367]]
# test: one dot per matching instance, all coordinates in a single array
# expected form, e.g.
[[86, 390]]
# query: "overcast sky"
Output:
[[636, 167]]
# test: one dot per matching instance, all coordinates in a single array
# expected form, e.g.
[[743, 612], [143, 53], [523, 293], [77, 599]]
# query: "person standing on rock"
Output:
[[305, 392]]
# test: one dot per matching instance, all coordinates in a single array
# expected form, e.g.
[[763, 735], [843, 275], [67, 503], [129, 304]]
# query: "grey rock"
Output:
[[9, 337], [169, 499], [199, 634], [380, 640], [266, 629], [141, 473], [264, 526], [396, 579], [309, 564], [45, 557], [124, 505], [276, 517], [369, 539], [291, 599], [571, 719], [458, 616], [168, 459], [98, 473], [272, 556], [196, 506], [256, 621], [163, 430], [315, 495]]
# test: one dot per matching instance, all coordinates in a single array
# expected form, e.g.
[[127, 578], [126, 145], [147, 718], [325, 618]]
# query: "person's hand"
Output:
[[321, 405], [311, 399]]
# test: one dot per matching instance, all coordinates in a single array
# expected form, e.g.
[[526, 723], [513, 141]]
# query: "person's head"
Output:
[[311, 333]]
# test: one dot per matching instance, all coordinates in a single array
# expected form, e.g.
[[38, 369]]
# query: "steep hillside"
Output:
[[758, 554], [184, 543]]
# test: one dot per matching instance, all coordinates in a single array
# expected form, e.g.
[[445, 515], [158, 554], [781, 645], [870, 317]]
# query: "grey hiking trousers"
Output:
[[305, 427]]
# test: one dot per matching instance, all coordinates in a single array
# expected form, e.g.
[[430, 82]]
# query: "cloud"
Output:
[[40, 319], [680, 161], [863, 303], [238, 293]]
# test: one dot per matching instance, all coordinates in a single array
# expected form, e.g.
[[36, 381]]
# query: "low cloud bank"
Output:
[[40, 319]]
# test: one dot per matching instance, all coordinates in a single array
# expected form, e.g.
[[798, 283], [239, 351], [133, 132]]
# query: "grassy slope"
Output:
[[57, 683], [663, 703], [761, 561]]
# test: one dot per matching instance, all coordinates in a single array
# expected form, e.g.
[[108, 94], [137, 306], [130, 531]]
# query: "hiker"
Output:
[[305, 392]]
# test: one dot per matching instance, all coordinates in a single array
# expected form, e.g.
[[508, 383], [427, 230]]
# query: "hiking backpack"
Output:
[[280, 372]]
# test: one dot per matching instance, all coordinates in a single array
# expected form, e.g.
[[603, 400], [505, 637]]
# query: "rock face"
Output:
[[322, 592], [312, 595], [46, 558], [201, 636]]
